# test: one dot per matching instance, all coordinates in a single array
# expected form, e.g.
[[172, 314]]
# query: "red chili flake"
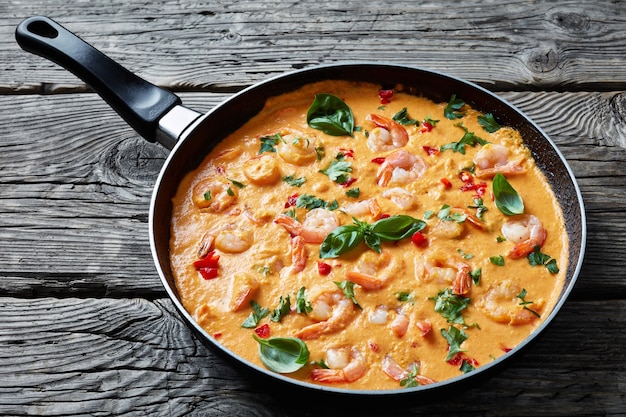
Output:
[[505, 349], [384, 216], [323, 268], [349, 182], [418, 239], [430, 151], [426, 127], [378, 160], [446, 183], [263, 331], [217, 335], [220, 170], [349, 153], [385, 96], [291, 200], [374, 346]]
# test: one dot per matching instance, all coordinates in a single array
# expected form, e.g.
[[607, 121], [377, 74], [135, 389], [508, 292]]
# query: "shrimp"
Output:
[[502, 304], [400, 167], [401, 198], [296, 149], [363, 207], [345, 365], [374, 271], [262, 170], [244, 288], [317, 224], [332, 312], [227, 238], [526, 231], [399, 325], [387, 135], [298, 254], [215, 194], [396, 372], [445, 269], [493, 158]]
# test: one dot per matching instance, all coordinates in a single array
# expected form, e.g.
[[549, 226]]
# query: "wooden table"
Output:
[[85, 325]]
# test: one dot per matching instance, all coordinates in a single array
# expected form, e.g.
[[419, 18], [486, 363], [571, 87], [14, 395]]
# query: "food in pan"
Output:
[[366, 238]]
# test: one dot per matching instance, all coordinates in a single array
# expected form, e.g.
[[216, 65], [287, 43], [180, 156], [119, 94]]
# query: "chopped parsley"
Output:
[[348, 290], [497, 260], [450, 306], [537, 258], [338, 171], [522, 297], [455, 339], [469, 138], [258, 313], [488, 122], [310, 202], [283, 309], [452, 109], [446, 214], [294, 181], [402, 117], [302, 305], [268, 143]]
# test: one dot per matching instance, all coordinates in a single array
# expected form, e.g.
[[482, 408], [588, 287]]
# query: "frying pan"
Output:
[[158, 115]]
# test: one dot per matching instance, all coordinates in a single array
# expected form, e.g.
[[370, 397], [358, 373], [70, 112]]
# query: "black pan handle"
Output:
[[140, 103]]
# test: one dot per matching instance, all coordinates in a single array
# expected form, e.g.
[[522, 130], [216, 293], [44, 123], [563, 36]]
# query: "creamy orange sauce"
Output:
[[241, 220]]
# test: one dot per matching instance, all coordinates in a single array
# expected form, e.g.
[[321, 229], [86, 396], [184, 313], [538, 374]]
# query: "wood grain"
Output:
[[86, 327]]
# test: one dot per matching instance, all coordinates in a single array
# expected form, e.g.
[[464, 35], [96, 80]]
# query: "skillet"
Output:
[[158, 115]]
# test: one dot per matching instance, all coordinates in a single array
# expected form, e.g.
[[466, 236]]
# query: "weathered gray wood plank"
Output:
[[226, 44], [134, 357]]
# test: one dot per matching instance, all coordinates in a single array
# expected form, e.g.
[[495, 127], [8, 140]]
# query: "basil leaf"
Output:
[[282, 354], [507, 199], [331, 115], [341, 240], [397, 227]]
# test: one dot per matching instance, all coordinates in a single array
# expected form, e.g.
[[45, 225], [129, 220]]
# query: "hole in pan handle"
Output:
[[140, 103]]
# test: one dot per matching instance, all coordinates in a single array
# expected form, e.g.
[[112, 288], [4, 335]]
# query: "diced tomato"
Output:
[[446, 183], [263, 331], [208, 273], [466, 176], [419, 239], [430, 150], [385, 96], [378, 160], [458, 359], [209, 261], [383, 216], [323, 268], [208, 266], [349, 182], [505, 349], [349, 153], [291, 200], [426, 127], [217, 335]]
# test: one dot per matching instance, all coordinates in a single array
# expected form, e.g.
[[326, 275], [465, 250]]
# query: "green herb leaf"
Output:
[[331, 115], [552, 266], [348, 237], [237, 183], [452, 109], [405, 297], [411, 379], [446, 214], [258, 313], [353, 192], [480, 207], [284, 307], [294, 181], [348, 290], [397, 227], [476, 275], [468, 139], [268, 143], [507, 199], [455, 338], [497, 260], [283, 354], [522, 297], [341, 240], [302, 305], [466, 367], [402, 117], [450, 306], [207, 195], [537, 258], [488, 122], [310, 202], [338, 171]]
